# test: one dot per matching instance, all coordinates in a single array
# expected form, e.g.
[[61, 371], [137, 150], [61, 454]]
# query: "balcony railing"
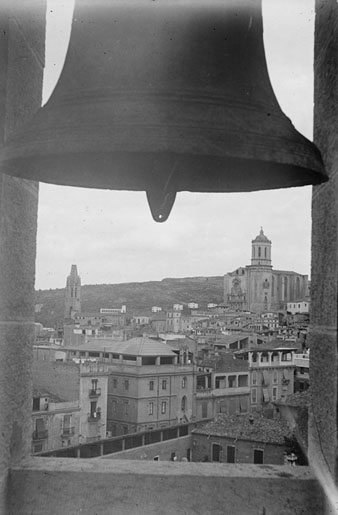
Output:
[[40, 435], [95, 393], [94, 417], [68, 431]]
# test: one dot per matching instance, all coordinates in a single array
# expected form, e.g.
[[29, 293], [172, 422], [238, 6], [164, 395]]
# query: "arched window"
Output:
[[184, 382], [259, 252], [273, 285], [265, 252], [184, 403]]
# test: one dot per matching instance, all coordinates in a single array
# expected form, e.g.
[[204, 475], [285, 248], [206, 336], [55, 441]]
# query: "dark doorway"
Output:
[[258, 457], [216, 452]]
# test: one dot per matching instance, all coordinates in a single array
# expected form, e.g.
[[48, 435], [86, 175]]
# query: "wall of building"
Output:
[[56, 436], [139, 396], [61, 379], [244, 450], [93, 428], [161, 450]]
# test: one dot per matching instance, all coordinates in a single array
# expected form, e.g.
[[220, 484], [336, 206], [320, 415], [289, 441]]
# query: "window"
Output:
[[126, 407], [163, 407], [254, 377], [258, 456], [184, 382], [164, 384], [275, 377], [93, 406], [184, 403], [94, 384], [126, 384], [254, 395], [36, 403], [114, 383], [231, 452], [150, 408], [204, 409], [113, 406], [151, 385], [274, 393], [232, 381]]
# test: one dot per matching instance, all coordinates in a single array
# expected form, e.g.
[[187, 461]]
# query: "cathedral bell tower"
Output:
[[261, 250], [73, 294]]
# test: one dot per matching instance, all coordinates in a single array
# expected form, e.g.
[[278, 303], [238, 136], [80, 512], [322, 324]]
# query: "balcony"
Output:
[[42, 434], [94, 393], [94, 416], [68, 431]]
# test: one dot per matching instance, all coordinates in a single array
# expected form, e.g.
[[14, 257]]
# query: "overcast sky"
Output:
[[111, 235]]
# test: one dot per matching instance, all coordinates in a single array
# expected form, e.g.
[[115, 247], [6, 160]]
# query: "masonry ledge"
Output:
[[140, 467], [127, 487]]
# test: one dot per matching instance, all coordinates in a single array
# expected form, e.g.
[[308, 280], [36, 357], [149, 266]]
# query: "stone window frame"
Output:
[[324, 235]]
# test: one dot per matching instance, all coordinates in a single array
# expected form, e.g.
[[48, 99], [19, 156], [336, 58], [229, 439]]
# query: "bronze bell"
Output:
[[164, 96]]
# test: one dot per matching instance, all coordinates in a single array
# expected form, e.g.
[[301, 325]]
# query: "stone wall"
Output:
[[21, 62], [323, 313]]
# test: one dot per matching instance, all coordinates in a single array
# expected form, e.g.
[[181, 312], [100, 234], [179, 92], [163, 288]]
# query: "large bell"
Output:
[[164, 96]]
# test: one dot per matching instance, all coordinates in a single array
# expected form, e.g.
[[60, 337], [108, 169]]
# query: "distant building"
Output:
[[173, 322], [150, 385], [156, 309], [72, 294], [192, 305], [302, 375], [298, 307], [242, 439], [178, 307], [69, 403], [258, 288], [223, 388], [272, 367], [112, 311]]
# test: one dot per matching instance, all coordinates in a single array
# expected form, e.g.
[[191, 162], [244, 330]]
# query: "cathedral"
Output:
[[257, 287]]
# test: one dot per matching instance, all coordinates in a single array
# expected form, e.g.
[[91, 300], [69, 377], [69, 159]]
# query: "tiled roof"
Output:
[[298, 399], [139, 346], [226, 363], [262, 429]]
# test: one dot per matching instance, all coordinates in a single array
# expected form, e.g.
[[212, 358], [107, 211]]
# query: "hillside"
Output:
[[137, 296]]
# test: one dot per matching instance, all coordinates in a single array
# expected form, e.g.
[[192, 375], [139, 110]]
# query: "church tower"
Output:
[[259, 274], [261, 250], [73, 294]]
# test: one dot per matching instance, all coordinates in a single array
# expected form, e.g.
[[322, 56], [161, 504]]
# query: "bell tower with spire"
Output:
[[73, 294], [261, 250]]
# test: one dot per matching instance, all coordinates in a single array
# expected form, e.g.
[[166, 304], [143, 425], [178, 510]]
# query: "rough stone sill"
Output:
[[165, 468]]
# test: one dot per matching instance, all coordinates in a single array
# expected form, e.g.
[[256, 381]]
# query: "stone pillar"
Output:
[[323, 311], [22, 36]]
